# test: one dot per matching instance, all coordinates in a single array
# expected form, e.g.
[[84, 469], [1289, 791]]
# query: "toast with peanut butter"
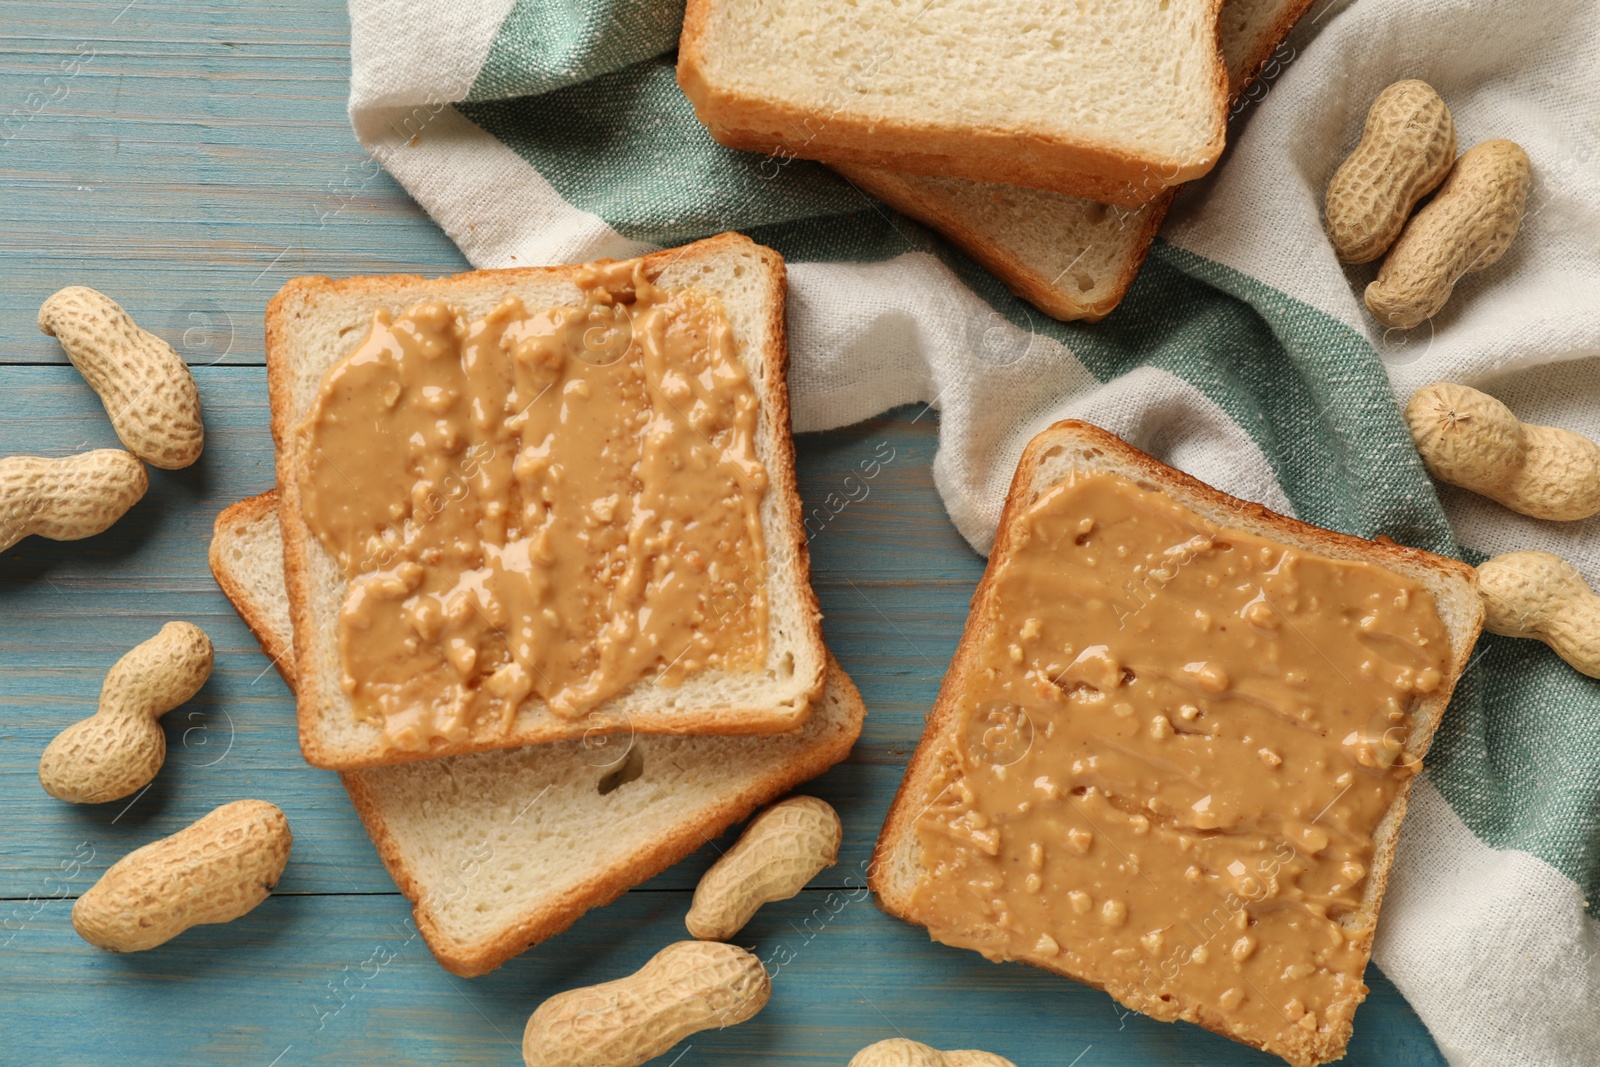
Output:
[[1069, 256], [1173, 750], [499, 850], [533, 505]]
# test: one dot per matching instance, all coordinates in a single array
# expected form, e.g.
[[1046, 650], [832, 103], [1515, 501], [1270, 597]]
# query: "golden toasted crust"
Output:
[[278, 647], [894, 853], [1016, 156], [300, 293], [928, 207], [603, 886]]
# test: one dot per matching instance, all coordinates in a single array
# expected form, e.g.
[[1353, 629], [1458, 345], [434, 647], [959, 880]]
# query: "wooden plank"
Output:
[[339, 980], [197, 155]]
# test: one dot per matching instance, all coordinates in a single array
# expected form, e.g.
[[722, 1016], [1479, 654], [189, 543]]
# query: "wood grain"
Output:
[[199, 158]]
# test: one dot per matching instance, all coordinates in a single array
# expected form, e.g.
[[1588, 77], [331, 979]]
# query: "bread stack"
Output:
[[1045, 141], [503, 832]]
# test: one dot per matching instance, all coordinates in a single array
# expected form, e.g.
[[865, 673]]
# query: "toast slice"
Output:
[[499, 850], [1070, 257], [314, 323], [1112, 794], [1117, 101]]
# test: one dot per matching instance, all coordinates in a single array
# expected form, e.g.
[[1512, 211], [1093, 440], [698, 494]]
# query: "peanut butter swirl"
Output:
[[551, 504], [1176, 743]]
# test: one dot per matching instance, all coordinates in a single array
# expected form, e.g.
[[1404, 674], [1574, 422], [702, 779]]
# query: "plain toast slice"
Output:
[[500, 850], [1117, 100], [313, 323], [1048, 461], [1069, 256]]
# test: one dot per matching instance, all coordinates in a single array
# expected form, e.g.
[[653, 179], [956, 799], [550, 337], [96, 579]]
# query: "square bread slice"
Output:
[[1093, 868], [1117, 100], [314, 323], [1069, 256], [498, 851]]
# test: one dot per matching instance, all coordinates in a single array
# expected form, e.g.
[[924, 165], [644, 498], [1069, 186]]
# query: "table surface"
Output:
[[188, 158]]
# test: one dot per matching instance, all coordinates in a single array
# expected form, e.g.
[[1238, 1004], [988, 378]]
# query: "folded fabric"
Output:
[[539, 133]]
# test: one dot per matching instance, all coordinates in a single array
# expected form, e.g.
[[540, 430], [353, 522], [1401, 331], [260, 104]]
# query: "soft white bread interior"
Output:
[[314, 323], [1069, 256], [1047, 461], [499, 850], [1117, 100]]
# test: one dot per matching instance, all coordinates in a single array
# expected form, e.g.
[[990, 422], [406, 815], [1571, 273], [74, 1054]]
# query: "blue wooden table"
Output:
[[188, 158]]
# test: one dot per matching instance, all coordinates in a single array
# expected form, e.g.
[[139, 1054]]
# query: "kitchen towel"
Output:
[[536, 131]]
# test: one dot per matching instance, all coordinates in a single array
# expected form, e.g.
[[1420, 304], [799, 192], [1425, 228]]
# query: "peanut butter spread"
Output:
[[553, 503], [1175, 744]]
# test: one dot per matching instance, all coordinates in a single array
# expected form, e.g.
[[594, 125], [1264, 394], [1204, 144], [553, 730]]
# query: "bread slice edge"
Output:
[[841, 704], [1134, 229], [784, 537], [1031, 158]]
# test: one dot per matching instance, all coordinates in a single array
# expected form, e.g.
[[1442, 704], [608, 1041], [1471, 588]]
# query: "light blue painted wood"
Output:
[[199, 159], [845, 975]]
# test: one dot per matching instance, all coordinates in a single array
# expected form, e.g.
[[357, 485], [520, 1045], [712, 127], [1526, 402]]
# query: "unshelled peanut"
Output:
[[1542, 596], [900, 1052], [69, 498], [121, 746], [685, 988], [146, 387], [212, 871], [1406, 149], [1468, 438], [1466, 228], [781, 850]]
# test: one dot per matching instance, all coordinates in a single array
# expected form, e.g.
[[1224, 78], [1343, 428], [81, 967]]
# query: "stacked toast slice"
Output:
[[314, 328], [1069, 249], [443, 445], [1203, 791], [1117, 100], [499, 850]]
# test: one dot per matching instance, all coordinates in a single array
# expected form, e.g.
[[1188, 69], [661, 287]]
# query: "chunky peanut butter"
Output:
[[1175, 744], [552, 503]]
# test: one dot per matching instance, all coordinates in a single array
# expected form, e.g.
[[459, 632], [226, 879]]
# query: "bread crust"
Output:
[[383, 290], [472, 959], [1015, 155], [929, 208], [895, 850], [1001, 260]]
